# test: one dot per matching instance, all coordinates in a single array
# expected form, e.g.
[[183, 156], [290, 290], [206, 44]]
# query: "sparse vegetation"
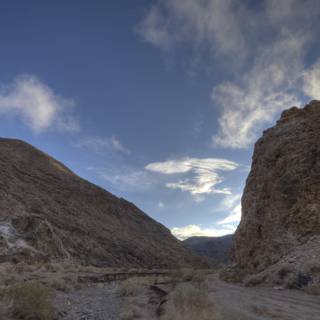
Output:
[[130, 311], [31, 301], [133, 286], [188, 303], [313, 289], [183, 274]]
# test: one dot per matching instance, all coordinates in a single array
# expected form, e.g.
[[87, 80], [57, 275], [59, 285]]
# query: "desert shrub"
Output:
[[31, 301], [285, 271], [188, 303], [183, 274], [129, 312], [199, 279], [130, 287], [231, 274], [313, 289], [312, 266], [58, 284], [134, 285], [296, 280]]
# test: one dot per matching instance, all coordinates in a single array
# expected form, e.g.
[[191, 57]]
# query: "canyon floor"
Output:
[[231, 301], [93, 294]]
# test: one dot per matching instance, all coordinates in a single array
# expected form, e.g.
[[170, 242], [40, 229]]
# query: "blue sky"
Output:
[[159, 102]]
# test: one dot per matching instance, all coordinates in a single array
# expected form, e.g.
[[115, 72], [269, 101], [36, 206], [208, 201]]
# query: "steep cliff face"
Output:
[[281, 200], [49, 213]]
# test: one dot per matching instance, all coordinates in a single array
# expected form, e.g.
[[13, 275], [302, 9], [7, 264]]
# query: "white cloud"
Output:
[[204, 171], [233, 217], [273, 38], [102, 145], [212, 25], [195, 231], [273, 82], [230, 201], [311, 77], [37, 105], [266, 90]]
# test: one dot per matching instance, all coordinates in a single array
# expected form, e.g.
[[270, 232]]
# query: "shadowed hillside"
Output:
[[49, 213]]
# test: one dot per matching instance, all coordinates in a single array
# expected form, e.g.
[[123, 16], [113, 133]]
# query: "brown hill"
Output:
[[49, 213], [279, 234]]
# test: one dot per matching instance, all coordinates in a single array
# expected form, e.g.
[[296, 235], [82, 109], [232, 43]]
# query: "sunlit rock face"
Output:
[[48, 213], [281, 200]]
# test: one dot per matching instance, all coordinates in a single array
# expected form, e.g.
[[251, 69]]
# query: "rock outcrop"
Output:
[[279, 230], [48, 213], [216, 249]]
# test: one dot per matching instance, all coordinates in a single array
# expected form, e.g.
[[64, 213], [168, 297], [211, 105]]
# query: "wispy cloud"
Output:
[[124, 177], [311, 77], [192, 230], [233, 217], [273, 82], [102, 145], [37, 105], [204, 174], [265, 90], [209, 25], [270, 43]]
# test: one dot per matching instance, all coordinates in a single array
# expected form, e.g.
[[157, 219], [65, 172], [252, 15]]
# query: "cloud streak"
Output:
[[37, 105], [103, 145], [204, 174]]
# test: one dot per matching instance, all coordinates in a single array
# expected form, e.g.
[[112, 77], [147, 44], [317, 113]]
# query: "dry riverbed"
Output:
[[180, 295]]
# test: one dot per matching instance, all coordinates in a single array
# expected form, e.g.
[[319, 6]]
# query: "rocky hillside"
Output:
[[279, 234], [49, 213], [216, 249]]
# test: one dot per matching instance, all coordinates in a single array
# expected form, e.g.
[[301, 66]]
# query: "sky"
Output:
[[158, 101]]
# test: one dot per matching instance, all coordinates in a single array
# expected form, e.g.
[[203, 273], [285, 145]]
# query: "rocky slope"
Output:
[[216, 249], [49, 213], [279, 234]]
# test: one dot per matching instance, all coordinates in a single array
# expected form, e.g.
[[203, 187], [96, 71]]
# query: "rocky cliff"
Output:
[[279, 234], [49, 213], [216, 249]]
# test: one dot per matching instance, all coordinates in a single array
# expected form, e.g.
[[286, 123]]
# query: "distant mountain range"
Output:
[[48, 213], [216, 249]]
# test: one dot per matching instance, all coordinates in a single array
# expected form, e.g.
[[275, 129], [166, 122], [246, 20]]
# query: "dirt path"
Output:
[[257, 303]]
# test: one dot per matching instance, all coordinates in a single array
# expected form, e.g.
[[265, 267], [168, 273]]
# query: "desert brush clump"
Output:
[[31, 301], [188, 302], [133, 286], [130, 311]]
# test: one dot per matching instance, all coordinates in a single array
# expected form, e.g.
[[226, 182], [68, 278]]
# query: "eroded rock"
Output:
[[281, 200]]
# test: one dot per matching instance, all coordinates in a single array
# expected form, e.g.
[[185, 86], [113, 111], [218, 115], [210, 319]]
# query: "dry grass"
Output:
[[313, 289], [130, 311], [183, 274], [187, 302], [133, 286], [31, 301]]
